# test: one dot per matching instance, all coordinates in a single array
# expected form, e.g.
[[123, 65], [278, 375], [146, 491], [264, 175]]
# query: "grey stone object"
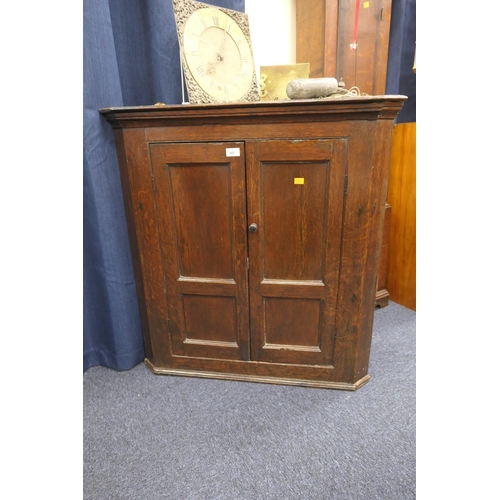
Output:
[[309, 88]]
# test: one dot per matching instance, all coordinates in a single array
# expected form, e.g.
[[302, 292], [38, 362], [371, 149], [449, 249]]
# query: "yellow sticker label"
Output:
[[366, 5], [298, 180]]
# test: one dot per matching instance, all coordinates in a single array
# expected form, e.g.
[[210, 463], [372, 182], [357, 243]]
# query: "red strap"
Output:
[[354, 43]]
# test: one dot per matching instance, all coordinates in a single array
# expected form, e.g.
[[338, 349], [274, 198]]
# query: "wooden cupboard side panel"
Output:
[[134, 245], [365, 201], [359, 265], [377, 203], [143, 232]]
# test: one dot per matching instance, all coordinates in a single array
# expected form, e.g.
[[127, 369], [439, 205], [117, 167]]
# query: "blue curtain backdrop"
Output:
[[130, 57], [400, 76]]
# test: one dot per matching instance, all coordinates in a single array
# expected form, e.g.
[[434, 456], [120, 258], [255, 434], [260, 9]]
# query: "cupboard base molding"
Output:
[[319, 384]]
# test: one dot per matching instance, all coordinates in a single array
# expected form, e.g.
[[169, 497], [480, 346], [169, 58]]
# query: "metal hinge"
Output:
[[153, 183], [248, 263], [345, 183]]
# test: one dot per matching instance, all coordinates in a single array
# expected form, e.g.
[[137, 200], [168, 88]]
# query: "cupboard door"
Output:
[[200, 199], [295, 197]]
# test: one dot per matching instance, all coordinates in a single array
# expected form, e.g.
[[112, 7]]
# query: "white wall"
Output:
[[272, 29]]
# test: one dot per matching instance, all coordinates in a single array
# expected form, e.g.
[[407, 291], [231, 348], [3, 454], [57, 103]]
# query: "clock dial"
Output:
[[218, 54]]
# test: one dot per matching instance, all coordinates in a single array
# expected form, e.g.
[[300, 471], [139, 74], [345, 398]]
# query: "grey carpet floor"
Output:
[[149, 436]]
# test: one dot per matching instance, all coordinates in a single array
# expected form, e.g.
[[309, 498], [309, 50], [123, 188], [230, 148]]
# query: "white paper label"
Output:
[[232, 151]]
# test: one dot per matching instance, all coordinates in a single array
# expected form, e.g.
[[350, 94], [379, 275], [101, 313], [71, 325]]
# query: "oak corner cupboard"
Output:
[[256, 233]]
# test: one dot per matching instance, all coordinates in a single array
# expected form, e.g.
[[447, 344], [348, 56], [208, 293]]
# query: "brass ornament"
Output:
[[274, 79]]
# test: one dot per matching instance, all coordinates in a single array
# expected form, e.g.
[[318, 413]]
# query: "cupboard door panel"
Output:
[[292, 322], [210, 319], [294, 218], [201, 209], [203, 217], [295, 196]]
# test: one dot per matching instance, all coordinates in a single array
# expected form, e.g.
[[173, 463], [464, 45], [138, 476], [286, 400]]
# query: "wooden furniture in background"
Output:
[[325, 30], [382, 295], [402, 259], [256, 232], [316, 36]]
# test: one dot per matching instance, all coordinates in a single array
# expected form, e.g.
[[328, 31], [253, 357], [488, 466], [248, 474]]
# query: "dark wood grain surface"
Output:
[[291, 302]]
